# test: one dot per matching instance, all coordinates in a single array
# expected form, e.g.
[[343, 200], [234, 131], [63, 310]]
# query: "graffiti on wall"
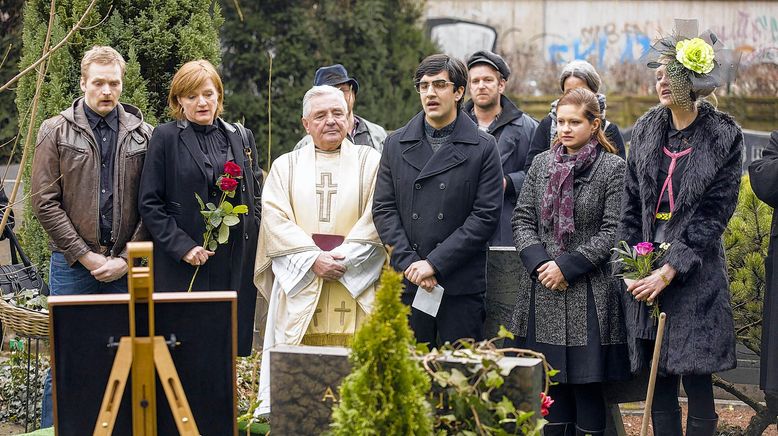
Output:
[[754, 35]]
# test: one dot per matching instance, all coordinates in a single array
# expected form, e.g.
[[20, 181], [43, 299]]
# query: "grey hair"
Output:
[[320, 91], [584, 71]]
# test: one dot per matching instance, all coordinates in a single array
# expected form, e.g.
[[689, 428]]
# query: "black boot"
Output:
[[579, 432], [559, 429], [667, 423], [701, 427]]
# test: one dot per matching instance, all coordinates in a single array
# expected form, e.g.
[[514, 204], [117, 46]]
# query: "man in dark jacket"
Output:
[[512, 129], [85, 178], [437, 202], [360, 131], [764, 181]]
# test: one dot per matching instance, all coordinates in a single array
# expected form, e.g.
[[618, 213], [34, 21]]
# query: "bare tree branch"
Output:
[[729, 387], [47, 53], [33, 112]]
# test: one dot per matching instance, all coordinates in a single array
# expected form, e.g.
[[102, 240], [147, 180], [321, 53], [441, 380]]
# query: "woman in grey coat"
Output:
[[564, 226], [681, 187]]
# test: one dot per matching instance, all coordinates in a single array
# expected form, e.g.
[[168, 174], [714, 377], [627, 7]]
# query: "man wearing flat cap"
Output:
[[360, 130], [513, 129]]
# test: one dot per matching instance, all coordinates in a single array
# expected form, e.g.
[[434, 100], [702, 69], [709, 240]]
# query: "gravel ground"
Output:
[[733, 414]]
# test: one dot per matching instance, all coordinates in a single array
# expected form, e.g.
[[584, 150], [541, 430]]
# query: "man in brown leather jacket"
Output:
[[85, 178]]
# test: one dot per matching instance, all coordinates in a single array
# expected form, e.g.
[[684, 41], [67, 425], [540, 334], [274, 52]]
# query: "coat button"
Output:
[[415, 246], [440, 216], [246, 236], [417, 186], [415, 216], [213, 193], [442, 186]]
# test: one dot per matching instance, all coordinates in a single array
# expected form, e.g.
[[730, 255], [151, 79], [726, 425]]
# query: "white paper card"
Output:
[[428, 301]]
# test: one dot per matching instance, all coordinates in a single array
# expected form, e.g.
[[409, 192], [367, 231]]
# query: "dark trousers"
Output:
[[579, 404], [459, 316]]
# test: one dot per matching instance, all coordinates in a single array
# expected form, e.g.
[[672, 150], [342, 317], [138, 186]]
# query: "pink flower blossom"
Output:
[[545, 402], [643, 248]]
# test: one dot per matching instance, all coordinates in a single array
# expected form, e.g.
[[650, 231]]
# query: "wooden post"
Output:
[[652, 378]]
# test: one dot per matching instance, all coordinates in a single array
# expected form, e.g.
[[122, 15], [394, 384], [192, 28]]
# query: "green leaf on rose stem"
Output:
[[231, 220], [200, 201], [224, 233], [206, 213], [227, 207], [553, 372], [239, 209], [210, 206], [215, 220], [230, 194], [213, 245]]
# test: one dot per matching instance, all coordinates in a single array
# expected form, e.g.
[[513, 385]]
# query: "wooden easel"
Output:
[[144, 355]]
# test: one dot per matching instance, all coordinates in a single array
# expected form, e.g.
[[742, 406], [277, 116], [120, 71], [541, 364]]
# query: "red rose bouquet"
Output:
[[219, 219], [638, 262]]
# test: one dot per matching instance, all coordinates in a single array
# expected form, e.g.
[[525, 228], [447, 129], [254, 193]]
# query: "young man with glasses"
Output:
[[437, 202], [360, 131]]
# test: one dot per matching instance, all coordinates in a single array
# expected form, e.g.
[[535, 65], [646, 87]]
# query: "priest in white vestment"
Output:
[[319, 256]]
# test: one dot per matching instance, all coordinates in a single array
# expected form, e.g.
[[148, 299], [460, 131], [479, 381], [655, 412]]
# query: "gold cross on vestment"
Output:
[[342, 309], [325, 191]]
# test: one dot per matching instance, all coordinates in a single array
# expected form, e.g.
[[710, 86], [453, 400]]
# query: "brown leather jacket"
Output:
[[66, 181]]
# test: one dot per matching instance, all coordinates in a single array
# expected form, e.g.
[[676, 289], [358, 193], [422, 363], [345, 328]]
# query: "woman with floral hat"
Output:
[[681, 188]]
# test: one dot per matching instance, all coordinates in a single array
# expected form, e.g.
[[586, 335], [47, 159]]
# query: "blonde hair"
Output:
[[583, 98], [101, 54], [187, 79]]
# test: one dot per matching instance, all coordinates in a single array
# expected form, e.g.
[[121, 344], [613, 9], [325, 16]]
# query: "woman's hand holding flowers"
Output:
[[648, 288]]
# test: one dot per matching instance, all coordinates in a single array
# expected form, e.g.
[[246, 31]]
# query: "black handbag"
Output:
[[19, 276]]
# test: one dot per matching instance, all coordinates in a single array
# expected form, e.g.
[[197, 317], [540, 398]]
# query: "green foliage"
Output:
[[379, 41], [746, 240], [13, 379], [386, 392], [10, 44], [476, 408], [155, 37]]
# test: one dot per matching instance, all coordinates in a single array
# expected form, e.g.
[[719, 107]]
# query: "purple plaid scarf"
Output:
[[557, 208]]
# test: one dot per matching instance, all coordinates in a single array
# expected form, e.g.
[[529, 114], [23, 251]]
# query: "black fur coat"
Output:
[[699, 332]]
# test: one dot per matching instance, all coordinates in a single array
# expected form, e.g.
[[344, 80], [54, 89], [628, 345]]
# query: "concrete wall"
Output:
[[605, 32]]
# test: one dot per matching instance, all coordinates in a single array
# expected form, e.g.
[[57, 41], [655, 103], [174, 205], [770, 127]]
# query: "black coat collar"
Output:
[[418, 154], [508, 114]]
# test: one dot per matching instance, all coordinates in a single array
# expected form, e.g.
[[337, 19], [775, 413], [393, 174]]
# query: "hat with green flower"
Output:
[[696, 64]]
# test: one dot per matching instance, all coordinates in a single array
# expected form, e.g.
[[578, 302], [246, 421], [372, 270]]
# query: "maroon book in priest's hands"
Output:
[[327, 242]]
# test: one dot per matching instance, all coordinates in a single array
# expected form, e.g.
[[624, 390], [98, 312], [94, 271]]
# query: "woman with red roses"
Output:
[[201, 154]]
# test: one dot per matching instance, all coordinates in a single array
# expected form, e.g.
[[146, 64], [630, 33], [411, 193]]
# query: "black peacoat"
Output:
[[173, 172], [764, 180], [441, 207], [699, 334]]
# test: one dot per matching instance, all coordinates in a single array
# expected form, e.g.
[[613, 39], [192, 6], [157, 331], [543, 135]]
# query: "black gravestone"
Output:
[[204, 324], [502, 273], [306, 380]]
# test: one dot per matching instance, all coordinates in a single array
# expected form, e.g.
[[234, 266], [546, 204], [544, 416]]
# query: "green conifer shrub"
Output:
[[387, 390], [746, 240], [155, 37]]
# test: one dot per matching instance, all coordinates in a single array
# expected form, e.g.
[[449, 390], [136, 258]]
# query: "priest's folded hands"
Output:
[[327, 266]]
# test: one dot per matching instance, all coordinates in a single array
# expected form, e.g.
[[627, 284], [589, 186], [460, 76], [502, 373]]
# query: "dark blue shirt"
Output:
[[105, 130]]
